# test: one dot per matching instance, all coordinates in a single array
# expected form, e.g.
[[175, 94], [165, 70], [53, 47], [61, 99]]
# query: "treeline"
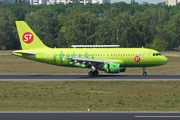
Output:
[[60, 25]]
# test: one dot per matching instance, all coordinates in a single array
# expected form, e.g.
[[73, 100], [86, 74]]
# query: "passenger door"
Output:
[[47, 55], [144, 54]]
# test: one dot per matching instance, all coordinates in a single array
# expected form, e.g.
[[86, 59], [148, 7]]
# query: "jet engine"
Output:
[[113, 68]]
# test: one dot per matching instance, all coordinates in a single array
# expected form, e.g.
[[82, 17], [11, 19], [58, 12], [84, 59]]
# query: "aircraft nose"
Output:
[[165, 60]]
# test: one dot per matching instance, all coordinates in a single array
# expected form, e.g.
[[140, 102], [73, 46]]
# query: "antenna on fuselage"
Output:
[[95, 46]]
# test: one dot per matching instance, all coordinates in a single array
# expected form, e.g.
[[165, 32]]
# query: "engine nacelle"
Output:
[[113, 68], [123, 69]]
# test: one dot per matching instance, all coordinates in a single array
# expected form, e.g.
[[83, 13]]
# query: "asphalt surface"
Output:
[[90, 116], [86, 77]]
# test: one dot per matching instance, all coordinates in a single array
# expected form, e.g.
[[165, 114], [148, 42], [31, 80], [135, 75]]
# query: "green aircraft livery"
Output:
[[110, 60]]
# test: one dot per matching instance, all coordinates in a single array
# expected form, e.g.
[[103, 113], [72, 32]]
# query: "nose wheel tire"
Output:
[[144, 73]]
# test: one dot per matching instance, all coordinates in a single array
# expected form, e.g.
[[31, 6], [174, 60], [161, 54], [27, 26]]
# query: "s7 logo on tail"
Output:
[[28, 37]]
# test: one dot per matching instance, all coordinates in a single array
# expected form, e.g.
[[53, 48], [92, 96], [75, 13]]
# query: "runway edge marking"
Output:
[[59, 80]]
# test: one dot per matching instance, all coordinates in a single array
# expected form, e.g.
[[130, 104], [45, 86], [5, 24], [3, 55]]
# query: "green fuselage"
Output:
[[124, 56]]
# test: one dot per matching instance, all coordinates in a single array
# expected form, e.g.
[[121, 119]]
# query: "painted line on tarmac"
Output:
[[59, 80], [157, 116], [138, 112]]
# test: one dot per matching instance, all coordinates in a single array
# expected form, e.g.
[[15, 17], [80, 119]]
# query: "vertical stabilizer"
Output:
[[28, 39]]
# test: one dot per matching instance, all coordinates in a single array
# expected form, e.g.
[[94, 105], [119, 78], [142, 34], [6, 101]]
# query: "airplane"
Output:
[[107, 58]]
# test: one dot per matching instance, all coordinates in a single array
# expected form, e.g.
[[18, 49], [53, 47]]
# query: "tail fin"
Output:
[[27, 37]]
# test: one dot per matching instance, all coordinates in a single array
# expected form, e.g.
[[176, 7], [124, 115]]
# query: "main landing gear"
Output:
[[93, 72], [144, 71]]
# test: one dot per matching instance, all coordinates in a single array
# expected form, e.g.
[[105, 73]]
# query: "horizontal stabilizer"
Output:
[[23, 52]]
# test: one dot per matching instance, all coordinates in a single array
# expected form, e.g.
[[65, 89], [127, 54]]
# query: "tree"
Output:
[[103, 32], [8, 30], [19, 11], [45, 25], [173, 28], [159, 45], [81, 29], [142, 33], [123, 23]]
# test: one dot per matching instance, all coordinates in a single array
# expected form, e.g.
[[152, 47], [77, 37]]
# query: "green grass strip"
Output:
[[98, 96]]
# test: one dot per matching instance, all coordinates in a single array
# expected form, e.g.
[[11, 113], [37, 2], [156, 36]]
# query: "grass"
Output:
[[81, 95], [98, 96], [15, 65]]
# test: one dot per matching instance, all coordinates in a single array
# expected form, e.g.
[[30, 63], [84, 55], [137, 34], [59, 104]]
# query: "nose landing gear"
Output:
[[144, 71]]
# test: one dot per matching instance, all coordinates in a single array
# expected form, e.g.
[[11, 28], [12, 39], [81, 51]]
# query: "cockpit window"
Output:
[[156, 54]]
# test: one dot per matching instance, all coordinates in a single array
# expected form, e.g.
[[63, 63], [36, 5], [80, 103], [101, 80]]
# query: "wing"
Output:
[[84, 62]]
